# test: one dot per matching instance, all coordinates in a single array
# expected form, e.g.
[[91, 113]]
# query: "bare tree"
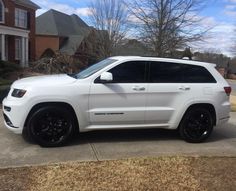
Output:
[[232, 48], [110, 18], [213, 56], [167, 25]]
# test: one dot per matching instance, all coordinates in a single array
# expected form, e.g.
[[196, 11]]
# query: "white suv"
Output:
[[120, 93]]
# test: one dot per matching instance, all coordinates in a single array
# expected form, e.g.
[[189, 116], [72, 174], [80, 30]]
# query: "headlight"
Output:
[[18, 93]]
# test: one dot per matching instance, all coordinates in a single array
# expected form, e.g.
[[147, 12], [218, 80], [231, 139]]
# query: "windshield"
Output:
[[94, 68]]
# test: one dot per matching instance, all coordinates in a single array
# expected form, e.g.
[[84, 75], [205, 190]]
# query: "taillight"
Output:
[[227, 90]]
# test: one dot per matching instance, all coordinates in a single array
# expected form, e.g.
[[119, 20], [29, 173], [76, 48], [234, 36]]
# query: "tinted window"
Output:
[[94, 68], [164, 72], [129, 72], [197, 74]]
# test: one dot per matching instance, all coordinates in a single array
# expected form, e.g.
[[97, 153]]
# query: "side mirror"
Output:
[[106, 77]]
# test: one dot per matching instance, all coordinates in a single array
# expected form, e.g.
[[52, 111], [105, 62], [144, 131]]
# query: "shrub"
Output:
[[48, 53], [3, 92], [7, 67], [60, 63]]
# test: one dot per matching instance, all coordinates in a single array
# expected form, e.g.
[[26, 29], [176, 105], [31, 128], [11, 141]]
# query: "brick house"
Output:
[[17, 31], [57, 31]]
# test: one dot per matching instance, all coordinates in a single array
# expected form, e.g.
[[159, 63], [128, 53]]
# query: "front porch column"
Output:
[[26, 52], [22, 62], [3, 55]]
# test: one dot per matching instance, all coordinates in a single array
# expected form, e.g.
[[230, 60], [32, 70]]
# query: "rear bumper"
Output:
[[223, 114], [223, 120]]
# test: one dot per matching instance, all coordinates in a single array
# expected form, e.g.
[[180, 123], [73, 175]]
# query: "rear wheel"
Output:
[[196, 126], [51, 126]]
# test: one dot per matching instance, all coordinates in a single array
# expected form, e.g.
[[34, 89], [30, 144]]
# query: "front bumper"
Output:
[[14, 113]]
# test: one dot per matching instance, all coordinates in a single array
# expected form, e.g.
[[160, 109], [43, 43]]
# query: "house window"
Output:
[[2, 12], [21, 19], [17, 49]]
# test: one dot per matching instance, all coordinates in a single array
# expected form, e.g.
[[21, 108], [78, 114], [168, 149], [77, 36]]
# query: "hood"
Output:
[[49, 80]]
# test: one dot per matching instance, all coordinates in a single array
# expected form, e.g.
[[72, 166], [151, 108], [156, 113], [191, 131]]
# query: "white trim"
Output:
[[26, 52], [14, 31], [3, 12], [23, 42], [22, 52], [18, 49], [6, 47], [3, 57], [36, 7]]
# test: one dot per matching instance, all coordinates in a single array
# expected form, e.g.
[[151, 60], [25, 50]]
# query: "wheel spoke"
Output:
[[197, 125], [51, 127]]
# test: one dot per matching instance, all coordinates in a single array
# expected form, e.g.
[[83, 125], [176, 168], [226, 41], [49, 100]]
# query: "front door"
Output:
[[121, 101]]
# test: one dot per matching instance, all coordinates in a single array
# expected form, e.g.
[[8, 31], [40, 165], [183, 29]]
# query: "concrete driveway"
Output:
[[14, 151]]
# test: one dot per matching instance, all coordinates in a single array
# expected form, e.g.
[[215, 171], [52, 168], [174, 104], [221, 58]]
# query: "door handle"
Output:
[[185, 88], [137, 88]]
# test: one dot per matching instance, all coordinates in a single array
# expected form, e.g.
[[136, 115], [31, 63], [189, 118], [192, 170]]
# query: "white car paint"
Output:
[[118, 106]]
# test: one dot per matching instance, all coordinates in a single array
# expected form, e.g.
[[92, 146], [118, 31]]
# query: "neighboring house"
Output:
[[133, 47], [17, 31], [56, 31]]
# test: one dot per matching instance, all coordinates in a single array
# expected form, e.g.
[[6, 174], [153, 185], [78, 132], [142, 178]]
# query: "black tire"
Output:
[[196, 125], [50, 126]]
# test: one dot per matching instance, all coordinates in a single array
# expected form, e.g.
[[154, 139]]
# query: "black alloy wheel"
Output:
[[51, 126], [196, 125]]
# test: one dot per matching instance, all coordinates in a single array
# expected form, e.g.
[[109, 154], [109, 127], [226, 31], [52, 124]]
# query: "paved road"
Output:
[[14, 151]]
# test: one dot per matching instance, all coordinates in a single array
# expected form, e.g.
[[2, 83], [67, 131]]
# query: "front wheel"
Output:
[[196, 126], [51, 126]]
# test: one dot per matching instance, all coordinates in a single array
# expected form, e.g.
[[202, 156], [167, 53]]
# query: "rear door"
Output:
[[171, 86]]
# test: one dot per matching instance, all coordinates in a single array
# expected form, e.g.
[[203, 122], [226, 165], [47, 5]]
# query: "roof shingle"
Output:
[[56, 23], [60, 24]]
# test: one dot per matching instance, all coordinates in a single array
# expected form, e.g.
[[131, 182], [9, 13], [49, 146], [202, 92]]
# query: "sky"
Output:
[[220, 15]]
